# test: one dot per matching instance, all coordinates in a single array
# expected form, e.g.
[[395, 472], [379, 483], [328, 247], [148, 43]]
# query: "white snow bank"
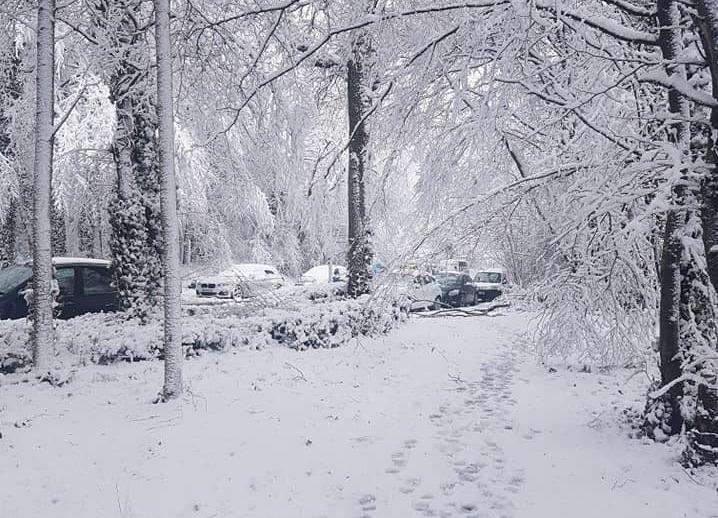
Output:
[[445, 417]]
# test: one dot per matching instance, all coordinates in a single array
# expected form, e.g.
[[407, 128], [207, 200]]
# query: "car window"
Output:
[[96, 281], [270, 272], [492, 277], [13, 276], [65, 280]]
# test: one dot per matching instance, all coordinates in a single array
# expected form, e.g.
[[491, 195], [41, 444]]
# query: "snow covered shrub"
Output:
[[15, 349], [131, 261], [109, 338], [331, 325]]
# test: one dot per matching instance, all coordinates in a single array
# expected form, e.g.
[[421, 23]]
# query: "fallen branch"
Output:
[[461, 312]]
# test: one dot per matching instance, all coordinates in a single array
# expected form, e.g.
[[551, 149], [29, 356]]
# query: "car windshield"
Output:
[[449, 279], [12, 276], [493, 277]]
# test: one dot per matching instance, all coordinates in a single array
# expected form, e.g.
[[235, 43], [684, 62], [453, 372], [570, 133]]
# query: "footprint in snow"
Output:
[[410, 485], [367, 503]]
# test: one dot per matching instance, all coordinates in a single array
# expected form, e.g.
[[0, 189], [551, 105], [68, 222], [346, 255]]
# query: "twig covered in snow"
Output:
[[464, 312]]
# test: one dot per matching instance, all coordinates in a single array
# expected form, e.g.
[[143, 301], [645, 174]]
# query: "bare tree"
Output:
[[41, 242], [168, 197]]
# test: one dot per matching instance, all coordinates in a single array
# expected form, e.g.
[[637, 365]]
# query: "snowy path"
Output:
[[444, 418]]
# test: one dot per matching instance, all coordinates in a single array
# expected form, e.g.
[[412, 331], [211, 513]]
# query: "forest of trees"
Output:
[[575, 143]]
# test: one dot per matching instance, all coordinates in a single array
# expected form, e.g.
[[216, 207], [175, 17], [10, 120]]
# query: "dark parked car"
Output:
[[85, 287], [457, 289]]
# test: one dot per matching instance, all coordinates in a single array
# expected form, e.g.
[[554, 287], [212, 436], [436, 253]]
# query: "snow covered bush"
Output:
[[111, 337], [331, 325]]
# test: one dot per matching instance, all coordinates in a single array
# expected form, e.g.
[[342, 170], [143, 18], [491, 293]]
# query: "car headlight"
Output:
[[453, 293]]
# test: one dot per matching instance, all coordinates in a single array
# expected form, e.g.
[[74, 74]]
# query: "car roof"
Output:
[[80, 261], [250, 269], [73, 261], [321, 267]]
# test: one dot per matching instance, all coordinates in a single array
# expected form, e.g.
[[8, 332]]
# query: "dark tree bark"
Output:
[[688, 332], [703, 435], [7, 236], [57, 228], [359, 255], [669, 319], [708, 29], [664, 415]]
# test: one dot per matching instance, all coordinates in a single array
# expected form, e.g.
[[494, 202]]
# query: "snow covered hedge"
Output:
[[108, 338]]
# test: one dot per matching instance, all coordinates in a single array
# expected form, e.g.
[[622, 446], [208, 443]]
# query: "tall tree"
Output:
[[41, 243], [168, 196], [135, 209], [707, 24], [703, 434], [359, 255]]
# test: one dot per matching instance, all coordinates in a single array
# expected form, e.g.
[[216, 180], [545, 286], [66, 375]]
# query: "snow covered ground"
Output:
[[445, 417]]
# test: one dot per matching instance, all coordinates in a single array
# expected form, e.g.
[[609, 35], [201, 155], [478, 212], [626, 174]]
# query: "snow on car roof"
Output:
[[79, 260], [251, 270], [252, 267], [321, 267]]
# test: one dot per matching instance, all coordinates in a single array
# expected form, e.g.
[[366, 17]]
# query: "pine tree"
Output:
[[136, 239]]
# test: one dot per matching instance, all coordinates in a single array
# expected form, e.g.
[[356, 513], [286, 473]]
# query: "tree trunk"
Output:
[[669, 318], [669, 313], [688, 329], [41, 243], [702, 446], [168, 197], [359, 255], [708, 29], [664, 416]]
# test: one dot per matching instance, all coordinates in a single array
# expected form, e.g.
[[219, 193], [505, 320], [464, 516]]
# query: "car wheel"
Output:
[[437, 304], [476, 299]]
